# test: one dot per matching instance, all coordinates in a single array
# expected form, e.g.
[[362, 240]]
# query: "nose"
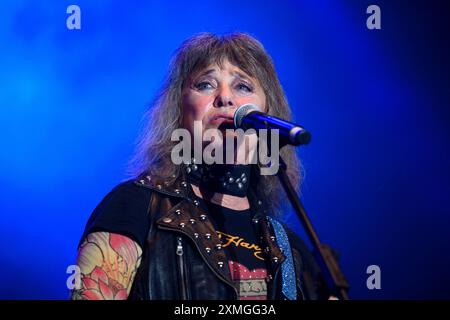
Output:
[[224, 98]]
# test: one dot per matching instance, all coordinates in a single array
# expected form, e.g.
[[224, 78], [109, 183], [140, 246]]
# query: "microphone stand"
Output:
[[331, 267]]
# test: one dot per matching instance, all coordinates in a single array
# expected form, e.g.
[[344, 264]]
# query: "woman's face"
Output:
[[214, 94]]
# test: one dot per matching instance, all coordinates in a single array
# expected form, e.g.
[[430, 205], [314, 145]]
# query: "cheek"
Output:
[[255, 99], [195, 106], [194, 109]]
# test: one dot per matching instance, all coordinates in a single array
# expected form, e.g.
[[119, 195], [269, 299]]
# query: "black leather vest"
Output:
[[183, 258]]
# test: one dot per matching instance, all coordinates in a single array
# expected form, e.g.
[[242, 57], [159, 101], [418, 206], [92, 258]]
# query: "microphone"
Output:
[[249, 116]]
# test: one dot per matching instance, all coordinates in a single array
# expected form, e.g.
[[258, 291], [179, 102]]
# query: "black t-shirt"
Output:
[[240, 242], [122, 211]]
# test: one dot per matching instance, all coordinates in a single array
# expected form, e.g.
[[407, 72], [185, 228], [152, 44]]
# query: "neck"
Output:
[[224, 200]]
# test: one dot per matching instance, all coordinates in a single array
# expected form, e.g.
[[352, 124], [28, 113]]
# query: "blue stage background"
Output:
[[377, 182]]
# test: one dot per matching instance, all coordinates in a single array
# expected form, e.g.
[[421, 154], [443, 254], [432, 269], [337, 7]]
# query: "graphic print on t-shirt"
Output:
[[252, 283], [245, 256]]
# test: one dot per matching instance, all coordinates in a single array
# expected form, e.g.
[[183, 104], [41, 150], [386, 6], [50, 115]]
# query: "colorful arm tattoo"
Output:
[[108, 263]]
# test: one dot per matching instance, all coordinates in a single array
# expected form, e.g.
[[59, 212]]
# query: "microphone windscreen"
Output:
[[241, 112]]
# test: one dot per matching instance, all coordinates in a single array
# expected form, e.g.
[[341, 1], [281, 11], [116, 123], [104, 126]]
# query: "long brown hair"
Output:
[[165, 115]]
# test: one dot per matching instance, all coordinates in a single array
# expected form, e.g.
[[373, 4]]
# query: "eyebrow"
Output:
[[207, 72], [236, 74], [241, 75]]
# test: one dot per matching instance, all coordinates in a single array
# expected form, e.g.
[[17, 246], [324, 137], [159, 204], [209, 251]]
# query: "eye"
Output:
[[203, 85], [244, 87]]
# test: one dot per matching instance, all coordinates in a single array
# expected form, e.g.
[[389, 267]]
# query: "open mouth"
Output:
[[228, 124], [223, 122]]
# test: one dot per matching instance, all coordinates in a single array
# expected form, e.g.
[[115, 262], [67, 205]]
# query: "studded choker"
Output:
[[222, 178]]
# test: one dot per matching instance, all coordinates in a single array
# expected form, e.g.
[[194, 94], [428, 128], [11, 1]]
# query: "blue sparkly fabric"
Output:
[[289, 288]]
